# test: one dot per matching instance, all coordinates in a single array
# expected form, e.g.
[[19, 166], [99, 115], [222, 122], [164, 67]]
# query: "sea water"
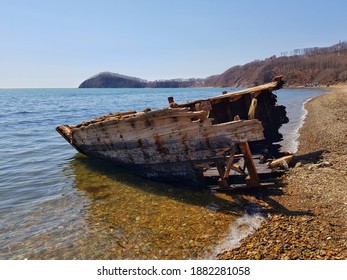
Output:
[[294, 100], [58, 204]]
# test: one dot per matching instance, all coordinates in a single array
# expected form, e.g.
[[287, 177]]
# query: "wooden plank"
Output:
[[252, 179], [230, 162], [223, 183], [153, 154], [235, 131], [192, 150], [258, 89], [168, 125]]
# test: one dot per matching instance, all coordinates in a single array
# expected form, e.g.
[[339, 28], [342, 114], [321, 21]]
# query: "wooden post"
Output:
[[223, 183], [230, 163], [252, 178]]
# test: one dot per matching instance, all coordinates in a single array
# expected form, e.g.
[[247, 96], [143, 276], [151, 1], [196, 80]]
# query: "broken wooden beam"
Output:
[[252, 178], [281, 161]]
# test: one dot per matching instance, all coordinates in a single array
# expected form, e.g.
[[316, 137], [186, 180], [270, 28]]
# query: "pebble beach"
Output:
[[306, 216]]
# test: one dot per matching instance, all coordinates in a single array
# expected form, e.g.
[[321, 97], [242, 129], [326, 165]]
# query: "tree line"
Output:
[[339, 47]]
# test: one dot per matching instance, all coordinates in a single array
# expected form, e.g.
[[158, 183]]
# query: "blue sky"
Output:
[[61, 43]]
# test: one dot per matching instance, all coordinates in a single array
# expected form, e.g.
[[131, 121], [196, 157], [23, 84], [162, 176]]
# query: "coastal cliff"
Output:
[[311, 67]]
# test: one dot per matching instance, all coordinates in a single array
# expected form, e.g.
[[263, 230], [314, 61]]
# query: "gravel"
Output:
[[307, 214]]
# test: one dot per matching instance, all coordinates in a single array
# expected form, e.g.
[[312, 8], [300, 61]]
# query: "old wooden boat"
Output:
[[179, 142]]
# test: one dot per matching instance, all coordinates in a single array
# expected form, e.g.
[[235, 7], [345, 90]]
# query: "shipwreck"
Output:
[[183, 141]]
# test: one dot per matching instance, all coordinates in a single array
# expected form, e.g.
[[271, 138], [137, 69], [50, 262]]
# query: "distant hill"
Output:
[[114, 80], [302, 67]]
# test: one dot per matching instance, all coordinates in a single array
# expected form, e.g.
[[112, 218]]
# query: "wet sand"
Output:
[[307, 214]]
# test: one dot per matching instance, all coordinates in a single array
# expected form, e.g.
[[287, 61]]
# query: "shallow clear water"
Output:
[[57, 204], [294, 100]]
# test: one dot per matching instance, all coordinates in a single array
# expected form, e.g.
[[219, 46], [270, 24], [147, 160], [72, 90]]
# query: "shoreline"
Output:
[[307, 213], [302, 122], [295, 145]]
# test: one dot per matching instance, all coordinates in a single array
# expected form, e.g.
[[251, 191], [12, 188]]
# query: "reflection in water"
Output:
[[132, 218]]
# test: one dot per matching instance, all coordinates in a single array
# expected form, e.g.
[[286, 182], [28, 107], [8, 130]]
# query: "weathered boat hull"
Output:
[[178, 143], [168, 143]]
